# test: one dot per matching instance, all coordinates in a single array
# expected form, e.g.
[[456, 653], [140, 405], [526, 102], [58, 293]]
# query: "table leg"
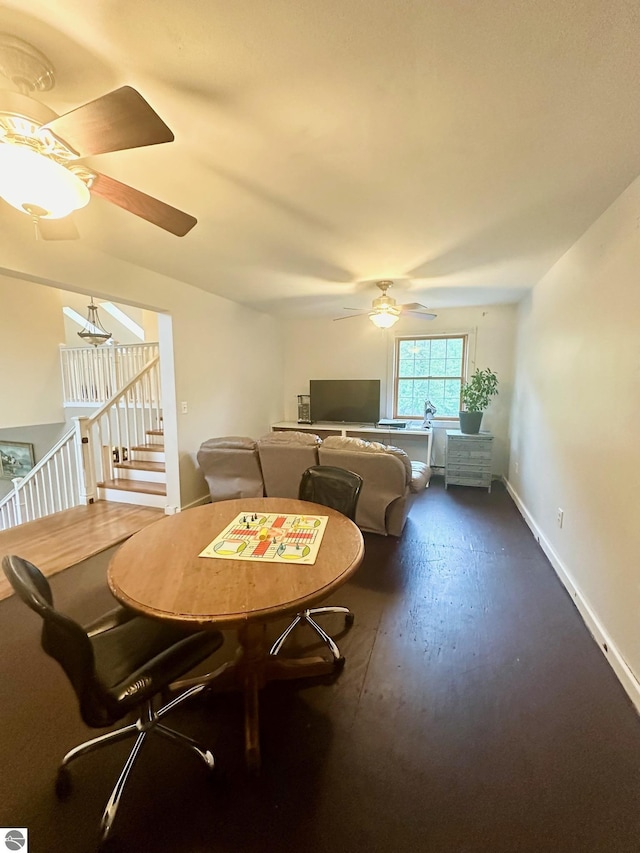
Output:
[[251, 724], [249, 672], [251, 677]]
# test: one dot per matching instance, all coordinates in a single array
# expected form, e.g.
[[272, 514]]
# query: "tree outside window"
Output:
[[430, 367]]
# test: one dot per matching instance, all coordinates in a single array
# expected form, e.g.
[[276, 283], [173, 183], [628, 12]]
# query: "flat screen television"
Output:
[[345, 400]]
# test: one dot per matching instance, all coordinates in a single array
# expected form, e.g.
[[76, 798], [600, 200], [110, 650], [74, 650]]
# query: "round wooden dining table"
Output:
[[158, 572]]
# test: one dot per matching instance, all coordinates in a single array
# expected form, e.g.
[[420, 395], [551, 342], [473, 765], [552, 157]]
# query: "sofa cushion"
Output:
[[343, 442], [401, 454], [338, 442], [231, 467], [230, 442], [284, 456], [420, 476], [287, 437]]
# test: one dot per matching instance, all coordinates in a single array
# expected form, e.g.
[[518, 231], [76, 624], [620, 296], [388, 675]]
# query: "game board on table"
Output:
[[272, 537]]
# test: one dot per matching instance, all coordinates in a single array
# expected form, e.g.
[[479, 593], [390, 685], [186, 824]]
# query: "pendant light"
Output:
[[94, 332]]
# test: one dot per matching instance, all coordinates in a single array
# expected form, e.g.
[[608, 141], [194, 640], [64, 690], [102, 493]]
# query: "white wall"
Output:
[[31, 328], [355, 349], [575, 425], [228, 369], [228, 359], [149, 322]]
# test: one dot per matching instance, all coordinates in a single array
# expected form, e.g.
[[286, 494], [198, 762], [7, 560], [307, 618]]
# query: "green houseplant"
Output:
[[476, 394]]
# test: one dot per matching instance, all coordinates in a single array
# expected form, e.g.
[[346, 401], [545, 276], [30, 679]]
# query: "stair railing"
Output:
[[91, 375], [51, 486], [68, 474], [107, 436]]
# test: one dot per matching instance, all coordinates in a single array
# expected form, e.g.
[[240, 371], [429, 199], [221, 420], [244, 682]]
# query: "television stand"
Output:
[[411, 440]]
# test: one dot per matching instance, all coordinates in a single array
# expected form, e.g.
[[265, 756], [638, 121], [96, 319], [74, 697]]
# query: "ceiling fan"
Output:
[[39, 150], [385, 312]]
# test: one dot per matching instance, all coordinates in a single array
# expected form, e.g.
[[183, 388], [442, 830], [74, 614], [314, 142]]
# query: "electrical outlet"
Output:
[[560, 517], [185, 408]]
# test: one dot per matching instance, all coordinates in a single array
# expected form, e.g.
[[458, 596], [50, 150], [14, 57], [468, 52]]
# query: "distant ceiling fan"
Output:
[[39, 151], [385, 312]]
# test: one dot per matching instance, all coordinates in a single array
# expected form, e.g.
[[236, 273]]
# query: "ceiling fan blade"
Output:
[[118, 120], [57, 229], [425, 315], [415, 309], [413, 306], [143, 205], [351, 316]]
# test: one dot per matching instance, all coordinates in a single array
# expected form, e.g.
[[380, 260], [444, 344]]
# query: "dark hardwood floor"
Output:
[[475, 714]]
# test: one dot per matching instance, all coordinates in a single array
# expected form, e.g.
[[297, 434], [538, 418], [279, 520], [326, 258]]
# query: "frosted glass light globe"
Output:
[[31, 182], [384, 320]]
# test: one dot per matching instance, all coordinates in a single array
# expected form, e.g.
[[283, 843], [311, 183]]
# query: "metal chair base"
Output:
[[307, 616], [147, 724]]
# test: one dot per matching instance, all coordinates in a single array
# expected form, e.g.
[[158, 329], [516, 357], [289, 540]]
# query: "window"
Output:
[[429, 368]]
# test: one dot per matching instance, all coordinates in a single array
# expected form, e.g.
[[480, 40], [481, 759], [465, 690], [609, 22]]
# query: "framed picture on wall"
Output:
[[16, 459]]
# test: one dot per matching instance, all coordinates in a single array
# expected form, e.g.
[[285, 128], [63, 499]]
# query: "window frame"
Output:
[[464, 336]]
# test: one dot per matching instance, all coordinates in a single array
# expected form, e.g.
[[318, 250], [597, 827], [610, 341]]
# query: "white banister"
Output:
[[50, 486], [68, 474], [19, 503], [123, 421], [91, 375], [84, 461]]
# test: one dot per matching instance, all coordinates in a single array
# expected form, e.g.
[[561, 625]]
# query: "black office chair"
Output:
[[116, 665], [339, 489]]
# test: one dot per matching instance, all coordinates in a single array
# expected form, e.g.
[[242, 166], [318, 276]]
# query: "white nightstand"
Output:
[[468, 459]]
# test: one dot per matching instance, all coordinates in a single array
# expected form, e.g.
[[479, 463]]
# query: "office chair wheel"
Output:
[[63, 785], [349, 619], [216, 776], [109, 845], [338, 664], [213, 770]]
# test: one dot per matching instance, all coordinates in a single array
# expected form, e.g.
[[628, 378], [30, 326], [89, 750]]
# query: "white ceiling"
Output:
[[458, 147]]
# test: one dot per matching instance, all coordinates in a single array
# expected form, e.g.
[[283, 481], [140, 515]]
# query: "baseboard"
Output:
[[624, 675], [204, 499]]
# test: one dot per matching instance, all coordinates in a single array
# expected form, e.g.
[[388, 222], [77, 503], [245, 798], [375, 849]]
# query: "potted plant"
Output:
[[476, 394]]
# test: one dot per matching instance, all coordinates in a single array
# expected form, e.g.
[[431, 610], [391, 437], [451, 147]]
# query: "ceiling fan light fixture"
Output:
[[383, 319], [34, 183], [386, 312]]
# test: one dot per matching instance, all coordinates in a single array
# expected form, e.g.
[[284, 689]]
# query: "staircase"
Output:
[[116, 454], [140, 473]]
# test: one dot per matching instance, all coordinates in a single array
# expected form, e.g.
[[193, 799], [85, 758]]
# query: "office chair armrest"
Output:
[[115, 617]]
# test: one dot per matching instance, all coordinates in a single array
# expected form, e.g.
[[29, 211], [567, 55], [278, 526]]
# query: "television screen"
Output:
[[345, 400]]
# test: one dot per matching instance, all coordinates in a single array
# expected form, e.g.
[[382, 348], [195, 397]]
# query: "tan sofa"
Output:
[[390, 480], [284, 456], [273, 465], [231, 467]]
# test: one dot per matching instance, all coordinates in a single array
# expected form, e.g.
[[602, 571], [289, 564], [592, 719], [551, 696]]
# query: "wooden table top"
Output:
[[158, 571]]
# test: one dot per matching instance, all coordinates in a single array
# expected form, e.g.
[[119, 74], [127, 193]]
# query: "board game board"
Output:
[[272, 537]]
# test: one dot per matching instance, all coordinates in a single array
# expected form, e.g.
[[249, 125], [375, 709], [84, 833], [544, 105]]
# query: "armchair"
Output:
[[231, 467]]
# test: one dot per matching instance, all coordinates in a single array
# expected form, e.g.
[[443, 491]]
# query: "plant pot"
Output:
[[470, 422]]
